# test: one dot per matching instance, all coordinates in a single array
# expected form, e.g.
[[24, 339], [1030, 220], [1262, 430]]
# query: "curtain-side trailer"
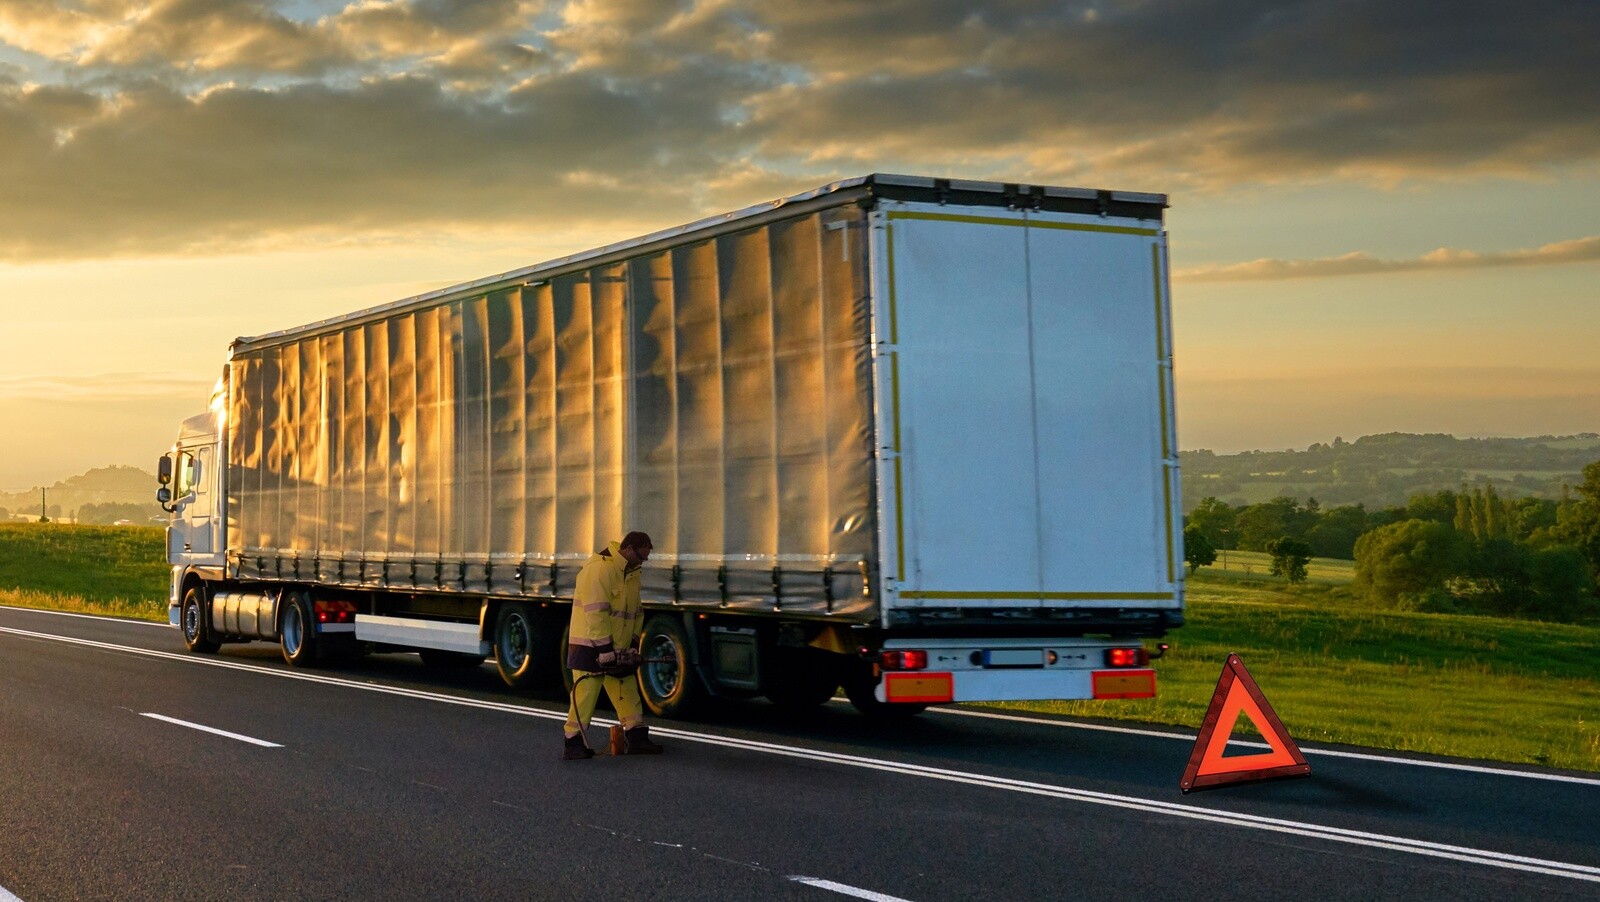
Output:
[[909, 436]]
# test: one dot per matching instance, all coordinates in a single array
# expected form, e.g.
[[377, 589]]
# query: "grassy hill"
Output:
[[1336, 670], [128, 487]]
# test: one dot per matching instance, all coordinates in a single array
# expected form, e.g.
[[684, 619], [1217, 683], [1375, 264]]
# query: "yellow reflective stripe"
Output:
[[894, 385], [1161, 392], [888, 233], [1043, 596], [1030, 223], [899, 522]]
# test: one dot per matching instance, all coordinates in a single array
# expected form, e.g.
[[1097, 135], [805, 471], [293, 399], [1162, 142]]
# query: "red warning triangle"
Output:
[[1238, 694]]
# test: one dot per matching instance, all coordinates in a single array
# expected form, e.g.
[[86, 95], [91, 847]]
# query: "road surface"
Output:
[[132, 770]]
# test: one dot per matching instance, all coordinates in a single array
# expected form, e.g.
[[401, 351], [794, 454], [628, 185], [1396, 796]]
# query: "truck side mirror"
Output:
[[164, 471], [164, 495]]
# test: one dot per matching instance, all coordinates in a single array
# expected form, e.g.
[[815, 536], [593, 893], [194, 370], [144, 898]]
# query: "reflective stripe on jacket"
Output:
[[605, 609]]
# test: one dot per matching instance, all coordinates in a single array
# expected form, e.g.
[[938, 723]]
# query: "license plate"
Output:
[[1013, 657]]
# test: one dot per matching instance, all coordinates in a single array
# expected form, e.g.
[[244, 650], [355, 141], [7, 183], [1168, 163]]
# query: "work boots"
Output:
[[576, 749], [637, 742]]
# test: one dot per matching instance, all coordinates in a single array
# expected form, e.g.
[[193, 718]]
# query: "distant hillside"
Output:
[[1384, 470], [129, 489]]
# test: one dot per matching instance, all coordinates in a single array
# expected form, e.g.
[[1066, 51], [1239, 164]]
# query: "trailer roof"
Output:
[[876, 185]]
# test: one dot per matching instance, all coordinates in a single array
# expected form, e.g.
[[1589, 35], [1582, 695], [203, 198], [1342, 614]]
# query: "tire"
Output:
[[670, 689], [195, 624], [800, 678], [297, 631], [450, 660], [860, 687], [524, 649]]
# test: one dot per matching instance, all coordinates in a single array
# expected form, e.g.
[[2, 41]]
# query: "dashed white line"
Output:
[[1134, 803], [205, 729], [846, 889]]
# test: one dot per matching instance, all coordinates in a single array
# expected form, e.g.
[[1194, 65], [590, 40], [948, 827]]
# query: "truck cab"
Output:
[[192, 492]]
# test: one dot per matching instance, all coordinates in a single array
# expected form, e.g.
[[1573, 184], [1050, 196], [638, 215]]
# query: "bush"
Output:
[[1408, 558]]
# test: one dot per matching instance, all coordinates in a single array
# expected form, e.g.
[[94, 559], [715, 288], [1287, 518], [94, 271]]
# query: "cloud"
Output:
[[195, 125], [155, 170], [1577, 250]]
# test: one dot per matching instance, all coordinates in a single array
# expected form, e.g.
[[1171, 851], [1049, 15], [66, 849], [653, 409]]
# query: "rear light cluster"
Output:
[[904, 659], [1127, 657], [334, 611]]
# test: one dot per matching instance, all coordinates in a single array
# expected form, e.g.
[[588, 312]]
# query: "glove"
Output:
[[623, 663]]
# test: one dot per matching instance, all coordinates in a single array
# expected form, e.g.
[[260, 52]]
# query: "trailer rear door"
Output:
[[1025, 411]]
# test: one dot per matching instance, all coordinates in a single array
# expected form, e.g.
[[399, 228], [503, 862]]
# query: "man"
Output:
[[601, 646]]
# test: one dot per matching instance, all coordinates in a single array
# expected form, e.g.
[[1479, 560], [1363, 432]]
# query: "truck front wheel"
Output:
[[298, 636], [192, 616], [667, 679]]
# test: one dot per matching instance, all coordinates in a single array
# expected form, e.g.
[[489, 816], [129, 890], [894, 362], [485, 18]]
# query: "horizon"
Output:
[[1302, 449], [1381, 221]]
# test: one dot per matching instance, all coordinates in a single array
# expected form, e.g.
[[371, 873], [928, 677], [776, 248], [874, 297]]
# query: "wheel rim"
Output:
[[191, 621], [294, 633], [514, 642], [662, 679]]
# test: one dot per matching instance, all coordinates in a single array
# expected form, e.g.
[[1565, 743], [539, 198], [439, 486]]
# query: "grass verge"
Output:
[[1472, 687]]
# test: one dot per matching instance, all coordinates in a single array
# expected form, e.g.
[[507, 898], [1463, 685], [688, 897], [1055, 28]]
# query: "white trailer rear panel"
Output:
[[1029, 468]]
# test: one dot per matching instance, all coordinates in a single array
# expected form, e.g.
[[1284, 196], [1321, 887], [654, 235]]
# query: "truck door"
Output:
[[194, 529]]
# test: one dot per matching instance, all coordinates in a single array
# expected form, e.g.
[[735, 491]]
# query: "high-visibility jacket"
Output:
[[606, 612]]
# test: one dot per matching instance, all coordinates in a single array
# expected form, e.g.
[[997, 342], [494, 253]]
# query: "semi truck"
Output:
[[910, 437]]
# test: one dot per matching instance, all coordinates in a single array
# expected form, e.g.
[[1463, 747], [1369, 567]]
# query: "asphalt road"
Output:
[[389, 781]]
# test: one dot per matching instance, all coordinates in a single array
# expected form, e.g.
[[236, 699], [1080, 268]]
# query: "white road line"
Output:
[[1133, 803], [8, 607], [846, 889], [205, 729], [1308, 750], [7, 897], [1074, 725]]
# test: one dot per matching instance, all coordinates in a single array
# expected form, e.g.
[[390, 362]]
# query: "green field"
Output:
[[1336, 670], [108, 569], [1258, 565], [1339, 672]]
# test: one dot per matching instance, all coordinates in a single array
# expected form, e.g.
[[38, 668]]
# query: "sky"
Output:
[[1385, 216]]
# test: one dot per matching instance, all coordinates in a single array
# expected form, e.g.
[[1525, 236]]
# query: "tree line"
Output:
[[1470, 550]]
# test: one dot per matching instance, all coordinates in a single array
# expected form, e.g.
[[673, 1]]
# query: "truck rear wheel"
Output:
[[669, 685], [196, 629], [298, 633], [800, 678], [524, 649], [860, 688]]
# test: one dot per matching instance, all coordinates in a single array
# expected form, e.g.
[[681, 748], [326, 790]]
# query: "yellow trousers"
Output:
[[624, 692]]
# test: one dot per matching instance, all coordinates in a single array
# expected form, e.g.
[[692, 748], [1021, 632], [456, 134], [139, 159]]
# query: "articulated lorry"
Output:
[[907, 436]]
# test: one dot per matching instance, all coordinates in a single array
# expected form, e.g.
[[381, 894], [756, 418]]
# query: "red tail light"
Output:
[[1127, 657], [904, 659], [334, 611]]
